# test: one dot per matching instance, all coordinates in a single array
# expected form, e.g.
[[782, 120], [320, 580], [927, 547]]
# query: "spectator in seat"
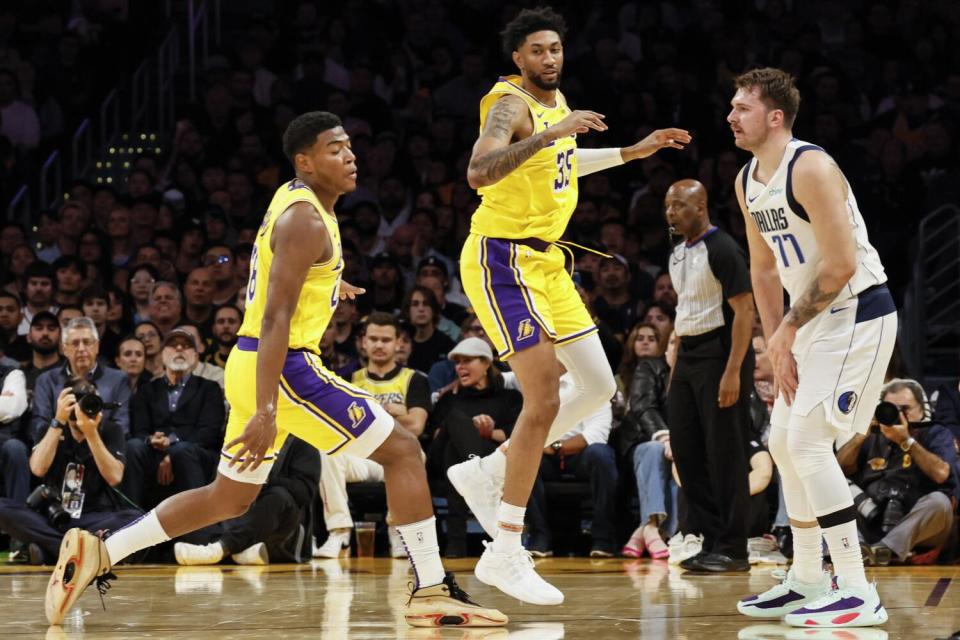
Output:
[[583, 451], [226, 324], [198, 292], [44, 340], [79, 459], [165, 306], [149, 334], [203, 369], [429, 345], [178, 423], [271, 529], [613, 300], [903, 479], [81, 346], [12, 344], [14, 449], [140, 284], [38, 292], [405, 394], [444, 372], [66, 313], [661, 315], [220, 260], [131, 358], [95, 302], [643, 438], [473, 418], [70, 271]]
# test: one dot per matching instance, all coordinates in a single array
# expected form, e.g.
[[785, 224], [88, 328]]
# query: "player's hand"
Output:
[[729, 388], [347, 290], [255, 441], [484, 425], [659, 139], [578, 122], [779, 350], [165, 472]]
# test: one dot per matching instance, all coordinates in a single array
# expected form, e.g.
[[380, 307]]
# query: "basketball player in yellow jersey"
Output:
[[274, 378], [525, 165]]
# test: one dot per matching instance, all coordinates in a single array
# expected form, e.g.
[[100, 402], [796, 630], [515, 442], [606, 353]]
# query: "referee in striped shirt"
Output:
[[709, 397]]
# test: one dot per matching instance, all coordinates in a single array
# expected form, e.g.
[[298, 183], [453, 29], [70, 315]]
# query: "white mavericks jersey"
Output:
[[785, 227]]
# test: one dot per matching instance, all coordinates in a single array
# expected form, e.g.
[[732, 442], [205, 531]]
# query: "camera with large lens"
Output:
[[47, 502], [887, 414], [88, 400], [894, 496]]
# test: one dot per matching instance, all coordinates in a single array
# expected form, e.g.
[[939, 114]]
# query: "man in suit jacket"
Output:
[[178, 423]]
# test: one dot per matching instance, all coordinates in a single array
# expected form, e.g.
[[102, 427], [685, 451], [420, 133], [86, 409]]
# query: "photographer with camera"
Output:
[[79, 456], [901, 477], [81, 346]]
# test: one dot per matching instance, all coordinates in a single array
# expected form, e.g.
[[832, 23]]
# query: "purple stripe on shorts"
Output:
[[351, 412], [519, 320], [840, 605]]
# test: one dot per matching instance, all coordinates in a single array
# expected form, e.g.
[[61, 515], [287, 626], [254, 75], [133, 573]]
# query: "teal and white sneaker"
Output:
[[786, 597], [843, 607]]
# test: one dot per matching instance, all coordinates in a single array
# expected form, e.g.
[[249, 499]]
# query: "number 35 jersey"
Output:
[[785, 227], [320, 292], [536, 199]]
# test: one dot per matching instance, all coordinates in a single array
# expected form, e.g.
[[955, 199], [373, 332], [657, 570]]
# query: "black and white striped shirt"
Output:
[[706, 273]]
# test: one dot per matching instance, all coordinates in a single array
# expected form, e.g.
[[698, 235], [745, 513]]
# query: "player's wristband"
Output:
[[593, 160]]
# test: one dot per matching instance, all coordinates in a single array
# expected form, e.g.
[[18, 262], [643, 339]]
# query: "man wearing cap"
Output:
[[44, 341], [81, 346], [177, 425], [405, 394], [433, 266], [613, 302]]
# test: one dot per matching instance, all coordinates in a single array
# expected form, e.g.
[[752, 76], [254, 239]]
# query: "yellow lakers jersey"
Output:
[[320, 292], [537, 199], [392, 389]]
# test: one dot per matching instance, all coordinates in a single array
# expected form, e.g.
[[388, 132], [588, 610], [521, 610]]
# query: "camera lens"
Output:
[[887, 414], [91, 404]]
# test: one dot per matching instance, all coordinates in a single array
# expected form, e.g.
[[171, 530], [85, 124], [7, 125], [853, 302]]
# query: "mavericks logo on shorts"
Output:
[[525, 329], [847, 401], [356, 413]]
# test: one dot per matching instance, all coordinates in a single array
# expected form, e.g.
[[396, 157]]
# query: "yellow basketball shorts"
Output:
[[313, 404], [520, 290]]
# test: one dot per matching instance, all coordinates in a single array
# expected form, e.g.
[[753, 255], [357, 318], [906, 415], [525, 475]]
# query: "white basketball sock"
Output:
[[139, 534], [807, 553], [509, 528], [420, 540], [845, 554]]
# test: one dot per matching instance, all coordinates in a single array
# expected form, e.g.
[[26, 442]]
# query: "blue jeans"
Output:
[[15, 466], [656, 488], [598, 464]]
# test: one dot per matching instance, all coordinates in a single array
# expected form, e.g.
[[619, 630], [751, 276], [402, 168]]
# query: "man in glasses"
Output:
[[220, 260], [81, 345], [903, 476]]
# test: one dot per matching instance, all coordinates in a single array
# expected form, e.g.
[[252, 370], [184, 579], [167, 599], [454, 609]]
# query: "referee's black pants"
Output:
[[709, 444]]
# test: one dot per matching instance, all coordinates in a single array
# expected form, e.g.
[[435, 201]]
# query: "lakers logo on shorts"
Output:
[[356, 413], [524, 329]]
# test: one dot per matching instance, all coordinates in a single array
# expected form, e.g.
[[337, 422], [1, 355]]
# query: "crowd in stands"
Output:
[[139, 288]]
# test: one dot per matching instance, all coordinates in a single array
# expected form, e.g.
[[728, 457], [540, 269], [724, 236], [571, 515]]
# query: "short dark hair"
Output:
[[530, 21], [778, 90], [382, 319], [65, 262], [10, 294], [38, 269], [229, 306], [303, 130], [94, 292]]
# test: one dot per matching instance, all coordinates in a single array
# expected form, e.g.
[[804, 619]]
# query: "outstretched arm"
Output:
[[494, 156]]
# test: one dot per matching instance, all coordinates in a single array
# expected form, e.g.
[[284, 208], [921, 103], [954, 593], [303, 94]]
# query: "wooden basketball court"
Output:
[[355, 599]]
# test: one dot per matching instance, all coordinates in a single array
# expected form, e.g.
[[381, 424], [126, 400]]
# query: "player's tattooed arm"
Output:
[[494, 157], [814, 300], [820, 187]]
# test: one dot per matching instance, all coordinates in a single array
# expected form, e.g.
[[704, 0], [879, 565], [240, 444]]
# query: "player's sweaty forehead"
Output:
[[542, 40]]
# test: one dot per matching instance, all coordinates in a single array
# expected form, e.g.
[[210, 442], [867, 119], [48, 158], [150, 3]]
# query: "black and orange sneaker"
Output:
[[446, 604], [83, 559]]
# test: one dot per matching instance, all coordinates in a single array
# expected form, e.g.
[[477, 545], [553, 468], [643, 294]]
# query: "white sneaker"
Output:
[[843, 606], [481, 491], [192, 554], [514, 574], [685, 547], [764, 549], [397, 548], [784, 598], [336, 542], [254, 554]]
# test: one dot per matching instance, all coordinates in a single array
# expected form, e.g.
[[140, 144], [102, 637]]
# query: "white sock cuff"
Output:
[[510, 514], [143, 532]]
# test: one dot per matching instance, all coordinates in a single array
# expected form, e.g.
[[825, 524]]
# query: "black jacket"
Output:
[[646, 405], [503, 405], [946, 407], [199, 417]]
